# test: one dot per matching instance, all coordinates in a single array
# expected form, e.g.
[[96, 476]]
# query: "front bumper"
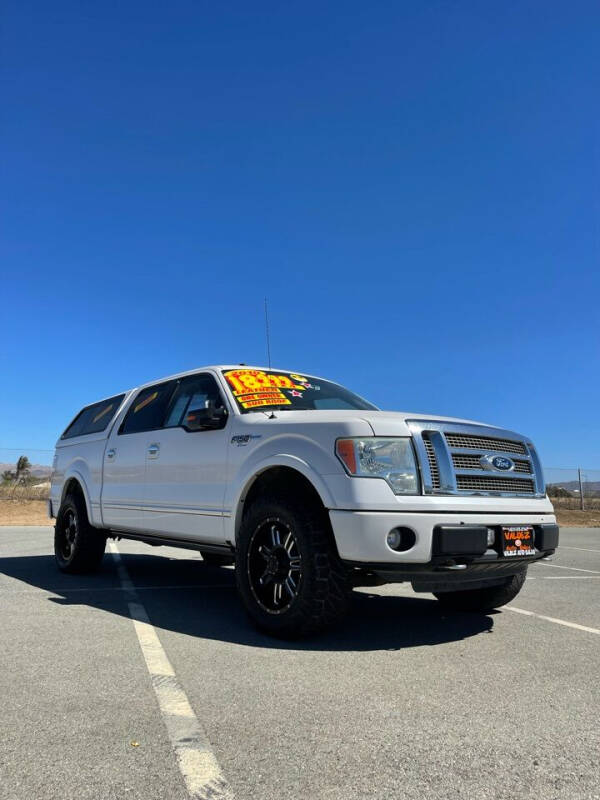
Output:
[[361, 536]]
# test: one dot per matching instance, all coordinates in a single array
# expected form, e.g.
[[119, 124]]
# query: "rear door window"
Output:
[[148, 410], [95, 418]]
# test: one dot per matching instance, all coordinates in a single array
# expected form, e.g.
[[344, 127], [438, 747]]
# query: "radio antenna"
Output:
[[267, 333]]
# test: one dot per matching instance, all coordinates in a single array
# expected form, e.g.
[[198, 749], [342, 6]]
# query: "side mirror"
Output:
[[209, 418]]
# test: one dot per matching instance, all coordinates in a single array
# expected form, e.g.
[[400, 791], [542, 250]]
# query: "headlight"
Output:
[[390, 459]]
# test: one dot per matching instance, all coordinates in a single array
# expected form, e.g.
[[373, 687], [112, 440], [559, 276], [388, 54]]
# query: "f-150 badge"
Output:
[[243, 439]]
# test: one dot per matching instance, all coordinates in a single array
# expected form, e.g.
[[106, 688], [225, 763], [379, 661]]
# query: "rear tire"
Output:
[[288, 573], [484, 599], [78, 546]]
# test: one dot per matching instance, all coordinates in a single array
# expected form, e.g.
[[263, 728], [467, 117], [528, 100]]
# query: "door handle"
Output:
[[153, 450], [110, 454]]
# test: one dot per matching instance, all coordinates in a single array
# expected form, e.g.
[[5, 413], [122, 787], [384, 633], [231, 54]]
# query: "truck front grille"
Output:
[[468, 461], [485, 443], [435, 473], [452, 458], [477, 483]]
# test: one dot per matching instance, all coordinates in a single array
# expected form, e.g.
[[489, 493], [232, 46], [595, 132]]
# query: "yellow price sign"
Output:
[[254, 387]]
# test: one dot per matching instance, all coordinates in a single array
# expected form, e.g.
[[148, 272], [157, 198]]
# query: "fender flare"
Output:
[[247, 477], [74, 474]]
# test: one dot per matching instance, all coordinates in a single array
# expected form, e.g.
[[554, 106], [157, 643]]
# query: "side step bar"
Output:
[[158, 540]]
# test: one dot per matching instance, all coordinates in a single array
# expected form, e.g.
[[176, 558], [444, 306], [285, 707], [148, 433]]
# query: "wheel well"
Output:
[[72, 486], [282, 481]]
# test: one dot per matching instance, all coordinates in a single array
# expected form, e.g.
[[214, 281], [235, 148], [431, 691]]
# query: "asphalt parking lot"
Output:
[[400, 702]]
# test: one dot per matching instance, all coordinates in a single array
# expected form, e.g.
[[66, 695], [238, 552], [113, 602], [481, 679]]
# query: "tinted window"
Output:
[[147, 412], [94, 419], [196, 393]]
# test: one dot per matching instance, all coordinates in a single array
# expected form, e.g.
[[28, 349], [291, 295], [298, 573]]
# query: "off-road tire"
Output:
[[81, 549], [216, 560], [323, 591], [484, 599]]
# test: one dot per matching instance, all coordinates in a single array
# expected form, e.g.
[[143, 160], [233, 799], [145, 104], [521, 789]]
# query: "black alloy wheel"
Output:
[[274, 566], [78, 546], [287, 570], [67, 534]]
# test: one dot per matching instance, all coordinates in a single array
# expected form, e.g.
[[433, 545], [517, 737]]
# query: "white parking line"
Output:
[[197, 762], [564, 578], [554, 619], [575, 569], [584, 549]]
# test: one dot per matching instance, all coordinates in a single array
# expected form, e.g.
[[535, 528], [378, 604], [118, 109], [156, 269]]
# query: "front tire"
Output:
[[78, 546], [484, 599], [288, 573]]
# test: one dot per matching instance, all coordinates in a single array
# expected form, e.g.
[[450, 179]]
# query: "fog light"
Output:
[[401, 539], [394, 538], [491, 537]]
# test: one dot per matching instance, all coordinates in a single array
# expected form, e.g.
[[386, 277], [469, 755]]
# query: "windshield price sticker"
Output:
[[253, 388]]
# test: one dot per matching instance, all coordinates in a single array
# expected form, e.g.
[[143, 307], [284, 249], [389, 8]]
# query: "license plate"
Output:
[[517, 540]]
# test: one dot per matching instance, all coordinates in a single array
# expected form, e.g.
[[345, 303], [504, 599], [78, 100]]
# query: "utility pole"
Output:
[[581, 490]]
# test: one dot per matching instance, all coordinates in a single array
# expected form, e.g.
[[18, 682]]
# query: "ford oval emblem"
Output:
[[500, 463]]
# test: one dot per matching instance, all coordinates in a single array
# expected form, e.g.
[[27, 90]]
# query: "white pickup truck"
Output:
[[309, 489]]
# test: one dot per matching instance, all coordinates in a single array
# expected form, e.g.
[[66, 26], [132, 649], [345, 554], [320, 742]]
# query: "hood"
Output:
[[382, 423], [394, 423]]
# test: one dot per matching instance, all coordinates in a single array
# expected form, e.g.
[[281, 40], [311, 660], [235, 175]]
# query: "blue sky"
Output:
[[414, 186]]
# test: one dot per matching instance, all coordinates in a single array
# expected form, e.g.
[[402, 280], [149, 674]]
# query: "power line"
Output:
[[23, 449]]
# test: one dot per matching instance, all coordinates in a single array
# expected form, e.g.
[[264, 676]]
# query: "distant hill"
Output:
[[591, 487], [37, 470]]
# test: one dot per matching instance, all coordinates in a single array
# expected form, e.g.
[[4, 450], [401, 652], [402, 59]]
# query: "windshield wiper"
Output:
[[266, 409]]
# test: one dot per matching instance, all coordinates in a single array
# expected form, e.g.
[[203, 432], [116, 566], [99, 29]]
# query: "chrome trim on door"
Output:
[[202, 512]]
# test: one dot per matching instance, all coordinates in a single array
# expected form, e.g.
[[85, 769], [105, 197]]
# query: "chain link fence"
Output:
[[25, 474], [575, 488]]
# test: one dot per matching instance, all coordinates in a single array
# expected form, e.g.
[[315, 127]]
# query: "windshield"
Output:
[[263, 390]]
